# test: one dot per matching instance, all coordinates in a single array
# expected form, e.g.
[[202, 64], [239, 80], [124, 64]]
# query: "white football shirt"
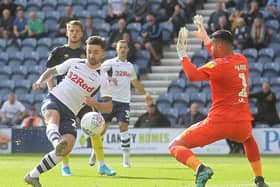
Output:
[[124, 72], [80, 81]]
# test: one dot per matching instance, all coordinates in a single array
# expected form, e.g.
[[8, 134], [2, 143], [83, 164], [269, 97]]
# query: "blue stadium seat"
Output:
[[176, 86], [80, 3], [58, 41], [45, 42], [43, 52], [110, 54], [34, 5], [12, 49], [4, 58], [26, 99], [164, 101], [82, 15], [276, 48], [134, 29], [35, 70], [4, 77], [172, 115], [49, 4], [193, 86], [92, 8], [52, 15], [22, 87], [103, 29], [5, 70], [32, 77], [275, 84], [18, 73], [77, 8], [51, 25], [167, 31], [95, 3], [276, 37], [257, 83], [255, 69], [251, 54], [101, 14], [22, 3], [143, 60], [38, 98], [136, 69], [271, 69], [26, 49], [199, 57], [33, 55], [272, 24], [17, 56], [41, 15], [265, 55], [201, 98], [6, 86], [277, 60], [2, 44], [64, 3], [181, 102], [31, 42]]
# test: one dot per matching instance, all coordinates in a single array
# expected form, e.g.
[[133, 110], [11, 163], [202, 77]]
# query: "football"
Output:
[[92, 123]]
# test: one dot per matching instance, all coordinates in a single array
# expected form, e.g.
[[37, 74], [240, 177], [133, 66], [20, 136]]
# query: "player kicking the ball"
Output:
[[123, 74], [84, 77], [229, 116]]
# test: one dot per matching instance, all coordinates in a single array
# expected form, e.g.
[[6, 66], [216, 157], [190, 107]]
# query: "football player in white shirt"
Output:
[[123, 74], [83, 78]]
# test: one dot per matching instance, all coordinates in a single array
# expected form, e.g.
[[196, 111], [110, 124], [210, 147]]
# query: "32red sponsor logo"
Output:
[[122, 73], [80, 81]]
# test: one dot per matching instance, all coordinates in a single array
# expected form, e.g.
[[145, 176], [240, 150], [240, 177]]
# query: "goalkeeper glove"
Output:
[[182, 42]]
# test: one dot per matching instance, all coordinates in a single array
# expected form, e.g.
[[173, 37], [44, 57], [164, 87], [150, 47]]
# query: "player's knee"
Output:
[[172, 146]]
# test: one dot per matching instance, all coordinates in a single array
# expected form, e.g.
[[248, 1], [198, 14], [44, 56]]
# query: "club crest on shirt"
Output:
[[66, 56], [211, 64]]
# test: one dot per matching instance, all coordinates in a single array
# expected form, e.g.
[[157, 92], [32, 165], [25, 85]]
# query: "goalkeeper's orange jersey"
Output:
[[228, 78]]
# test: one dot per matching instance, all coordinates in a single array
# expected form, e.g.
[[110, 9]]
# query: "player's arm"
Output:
[[140, 88], [192, 72], [52, 61], [104, 106], [52, 72], [45, 77]]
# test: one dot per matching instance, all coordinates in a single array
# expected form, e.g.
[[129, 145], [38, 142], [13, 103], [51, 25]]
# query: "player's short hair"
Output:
[[223, 35], [122, 41], [96, 40], [75, 22]]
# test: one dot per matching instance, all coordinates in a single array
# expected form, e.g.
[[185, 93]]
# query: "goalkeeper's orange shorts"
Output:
[[206, 132]]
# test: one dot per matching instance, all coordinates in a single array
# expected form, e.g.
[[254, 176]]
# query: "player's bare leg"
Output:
[[125, 143]]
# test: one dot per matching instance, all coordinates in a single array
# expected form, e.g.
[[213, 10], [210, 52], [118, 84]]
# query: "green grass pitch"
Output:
[[146, 171]]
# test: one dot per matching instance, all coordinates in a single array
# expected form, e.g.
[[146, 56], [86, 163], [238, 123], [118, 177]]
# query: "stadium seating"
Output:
[[134, 29], [167, 31], [200, 98], [265, 55], [251, 54], [255, 69], [271, 69], [164, 101], [143, 60], [200, 57], [172, 115], [176, 86], [181, 102]]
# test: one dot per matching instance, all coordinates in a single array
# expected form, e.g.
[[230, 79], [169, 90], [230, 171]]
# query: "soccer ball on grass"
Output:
[[92, 123]]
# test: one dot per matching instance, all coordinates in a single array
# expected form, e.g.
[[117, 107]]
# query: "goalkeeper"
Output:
[[229, 116]]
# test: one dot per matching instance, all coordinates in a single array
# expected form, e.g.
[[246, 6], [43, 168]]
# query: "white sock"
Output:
[[125, 141], [53, 133], [101, 162], [48, 162]]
